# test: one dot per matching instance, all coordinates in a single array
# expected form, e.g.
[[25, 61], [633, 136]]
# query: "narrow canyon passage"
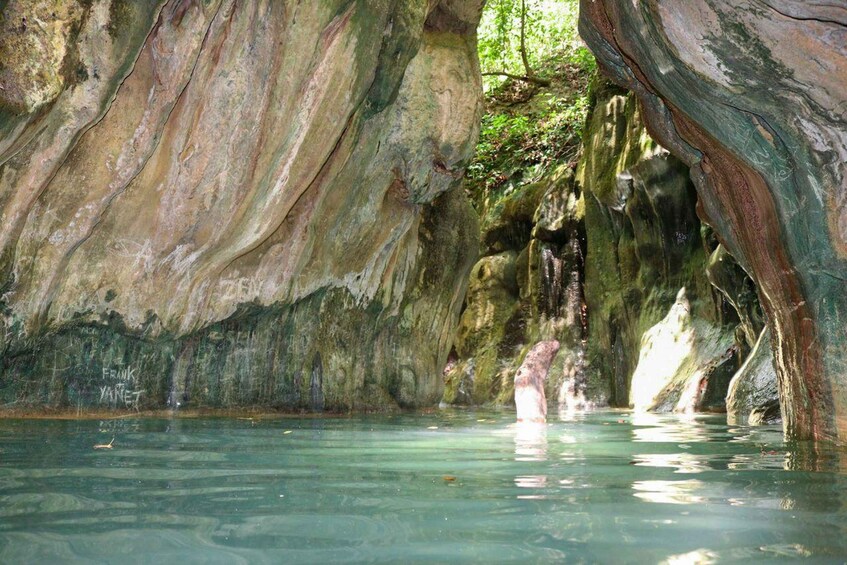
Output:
[[443, 281], [278, 205]]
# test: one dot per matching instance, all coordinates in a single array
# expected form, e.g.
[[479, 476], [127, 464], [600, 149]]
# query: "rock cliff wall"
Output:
[[751, 95], [611, 261], [526, 289], [660, 336], [221, 203]]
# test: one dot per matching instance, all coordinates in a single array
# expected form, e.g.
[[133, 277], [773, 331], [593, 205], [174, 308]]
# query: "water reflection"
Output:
[[670, 428], [374, 489], [567, 414], [530, 442], [698, 556], [681, 462], [669, 492], [531, 446]]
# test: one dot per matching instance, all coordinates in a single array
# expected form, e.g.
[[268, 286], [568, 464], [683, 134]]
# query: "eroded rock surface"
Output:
[[224, 203], [752, 95], [530, 398], [685, 364], [660, 337], [753, 397], [527, 289], [613, 263]]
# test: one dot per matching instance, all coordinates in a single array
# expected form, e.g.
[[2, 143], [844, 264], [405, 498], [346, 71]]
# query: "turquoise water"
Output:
[[446, 487]]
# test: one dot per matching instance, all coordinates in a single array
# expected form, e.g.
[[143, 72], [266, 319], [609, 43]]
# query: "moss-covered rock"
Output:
[[528, 294], [730, 89], [644, 251]]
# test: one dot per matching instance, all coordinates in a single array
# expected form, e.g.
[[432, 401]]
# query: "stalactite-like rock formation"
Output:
[[752, 95], [223, 203]]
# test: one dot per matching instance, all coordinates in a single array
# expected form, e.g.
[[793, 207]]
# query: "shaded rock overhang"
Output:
[[752, 95]]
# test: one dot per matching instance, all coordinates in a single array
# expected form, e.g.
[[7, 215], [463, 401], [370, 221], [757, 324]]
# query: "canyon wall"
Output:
[[220, 203], [752, 95], [526, 289], [611, 261], [660, 336]]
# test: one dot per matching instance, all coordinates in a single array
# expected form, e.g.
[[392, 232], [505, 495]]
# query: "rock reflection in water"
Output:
[[660, 428], [669, 492], [681, 462], [531, 446], [530, 441]]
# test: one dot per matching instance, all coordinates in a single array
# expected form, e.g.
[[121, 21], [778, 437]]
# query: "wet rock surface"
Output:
[[527, 290], [660, 337], [612, 262], [530, 399], [753, 397]]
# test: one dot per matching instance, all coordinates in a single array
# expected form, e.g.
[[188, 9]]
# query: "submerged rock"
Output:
[[242, 202]]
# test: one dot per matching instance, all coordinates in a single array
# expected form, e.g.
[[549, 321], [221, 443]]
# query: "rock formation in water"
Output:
[[526, 289], [752, 95], [614, 263], [753, 397], [530, 399], [227, 203]]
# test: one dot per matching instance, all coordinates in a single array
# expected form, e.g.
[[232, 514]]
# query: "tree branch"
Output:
[[524, 58], [525, 78]]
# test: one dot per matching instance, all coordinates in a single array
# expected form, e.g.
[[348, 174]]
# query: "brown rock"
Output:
[[530, 400]]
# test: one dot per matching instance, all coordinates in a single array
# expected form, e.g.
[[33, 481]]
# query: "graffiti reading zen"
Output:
[[119, 388]]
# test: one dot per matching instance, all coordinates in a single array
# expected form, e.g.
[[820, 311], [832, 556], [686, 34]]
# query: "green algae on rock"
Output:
[[613, 262], [658, 337], [527, 290]]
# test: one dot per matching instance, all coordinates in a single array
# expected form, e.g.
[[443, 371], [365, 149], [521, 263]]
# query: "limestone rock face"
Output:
[[738, 290], [233, 203], [685, 364], [492, 300], [527, 289], [752, 95], [753, 397], [657, 329]]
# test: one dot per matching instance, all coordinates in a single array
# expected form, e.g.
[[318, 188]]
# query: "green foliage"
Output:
[[550, 31], [528, 129], [520, 147]]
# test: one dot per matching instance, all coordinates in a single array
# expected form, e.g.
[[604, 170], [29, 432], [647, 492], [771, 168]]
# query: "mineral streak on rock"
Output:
[[530, 399], [218, 191], [753, 96]]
